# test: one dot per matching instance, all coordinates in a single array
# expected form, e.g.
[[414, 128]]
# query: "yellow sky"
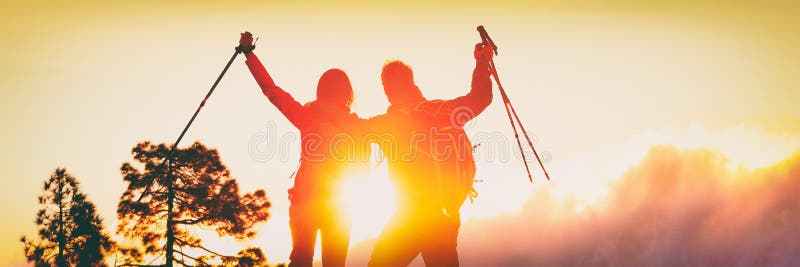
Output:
[[81, 83]]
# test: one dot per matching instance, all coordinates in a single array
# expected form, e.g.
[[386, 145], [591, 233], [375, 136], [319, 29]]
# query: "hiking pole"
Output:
[[510, 110], [239, 49]]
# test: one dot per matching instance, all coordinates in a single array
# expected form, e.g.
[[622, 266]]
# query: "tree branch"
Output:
[[203, 248], [191, 222], [185, 255]]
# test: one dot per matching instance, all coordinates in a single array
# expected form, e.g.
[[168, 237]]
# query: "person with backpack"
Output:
[[430, 164], [329, 152]]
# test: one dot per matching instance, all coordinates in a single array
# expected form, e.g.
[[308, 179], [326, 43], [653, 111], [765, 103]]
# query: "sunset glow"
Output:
[[686, 111]]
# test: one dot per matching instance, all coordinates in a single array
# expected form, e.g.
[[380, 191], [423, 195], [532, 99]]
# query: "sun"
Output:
[[368, 201]]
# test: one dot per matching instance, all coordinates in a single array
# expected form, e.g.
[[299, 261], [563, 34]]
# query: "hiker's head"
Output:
[[398, 83], [334, 89]]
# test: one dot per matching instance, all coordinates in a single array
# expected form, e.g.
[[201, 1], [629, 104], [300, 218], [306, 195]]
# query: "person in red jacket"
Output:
[[430, 164], [329, 151]]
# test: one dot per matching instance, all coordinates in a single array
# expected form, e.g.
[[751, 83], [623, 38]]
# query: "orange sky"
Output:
[[81, 83]]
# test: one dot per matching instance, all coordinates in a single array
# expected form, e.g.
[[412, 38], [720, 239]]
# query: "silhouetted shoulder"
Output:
[[379, 123]]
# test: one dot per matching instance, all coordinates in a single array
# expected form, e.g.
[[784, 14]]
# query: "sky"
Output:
[[614, 93]]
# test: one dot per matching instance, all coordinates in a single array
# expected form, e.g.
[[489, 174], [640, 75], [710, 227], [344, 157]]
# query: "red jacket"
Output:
[[405, 140], [331, 146]]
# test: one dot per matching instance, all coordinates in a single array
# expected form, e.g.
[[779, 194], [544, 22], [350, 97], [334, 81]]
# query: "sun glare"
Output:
[[368, 203]]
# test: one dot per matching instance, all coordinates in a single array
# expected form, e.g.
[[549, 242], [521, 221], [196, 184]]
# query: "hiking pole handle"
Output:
[[486, 39]]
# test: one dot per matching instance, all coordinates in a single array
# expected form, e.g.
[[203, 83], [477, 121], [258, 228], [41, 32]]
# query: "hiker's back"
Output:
[[431, 160], [331, 151]]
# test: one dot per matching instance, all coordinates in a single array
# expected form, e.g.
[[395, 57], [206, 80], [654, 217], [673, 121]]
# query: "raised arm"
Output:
[[291, 109], [480, 96]]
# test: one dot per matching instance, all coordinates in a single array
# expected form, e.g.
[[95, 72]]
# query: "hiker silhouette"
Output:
[[431, 166], [322, 124]]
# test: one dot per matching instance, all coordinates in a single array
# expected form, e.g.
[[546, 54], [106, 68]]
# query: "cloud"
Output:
[[676, 207]]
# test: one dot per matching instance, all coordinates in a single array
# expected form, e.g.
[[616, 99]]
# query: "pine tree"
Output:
[[194, 189], [70, 231]]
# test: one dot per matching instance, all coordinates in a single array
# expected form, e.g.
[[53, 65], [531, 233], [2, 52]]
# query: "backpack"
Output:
[[449, 147]]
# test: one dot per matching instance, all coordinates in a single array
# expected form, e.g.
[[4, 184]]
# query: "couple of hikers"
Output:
[[428, 153]]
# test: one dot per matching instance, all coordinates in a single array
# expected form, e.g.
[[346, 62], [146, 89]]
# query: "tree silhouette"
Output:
[[251, 257], [193, 190], [248, 257], [70, 231]]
